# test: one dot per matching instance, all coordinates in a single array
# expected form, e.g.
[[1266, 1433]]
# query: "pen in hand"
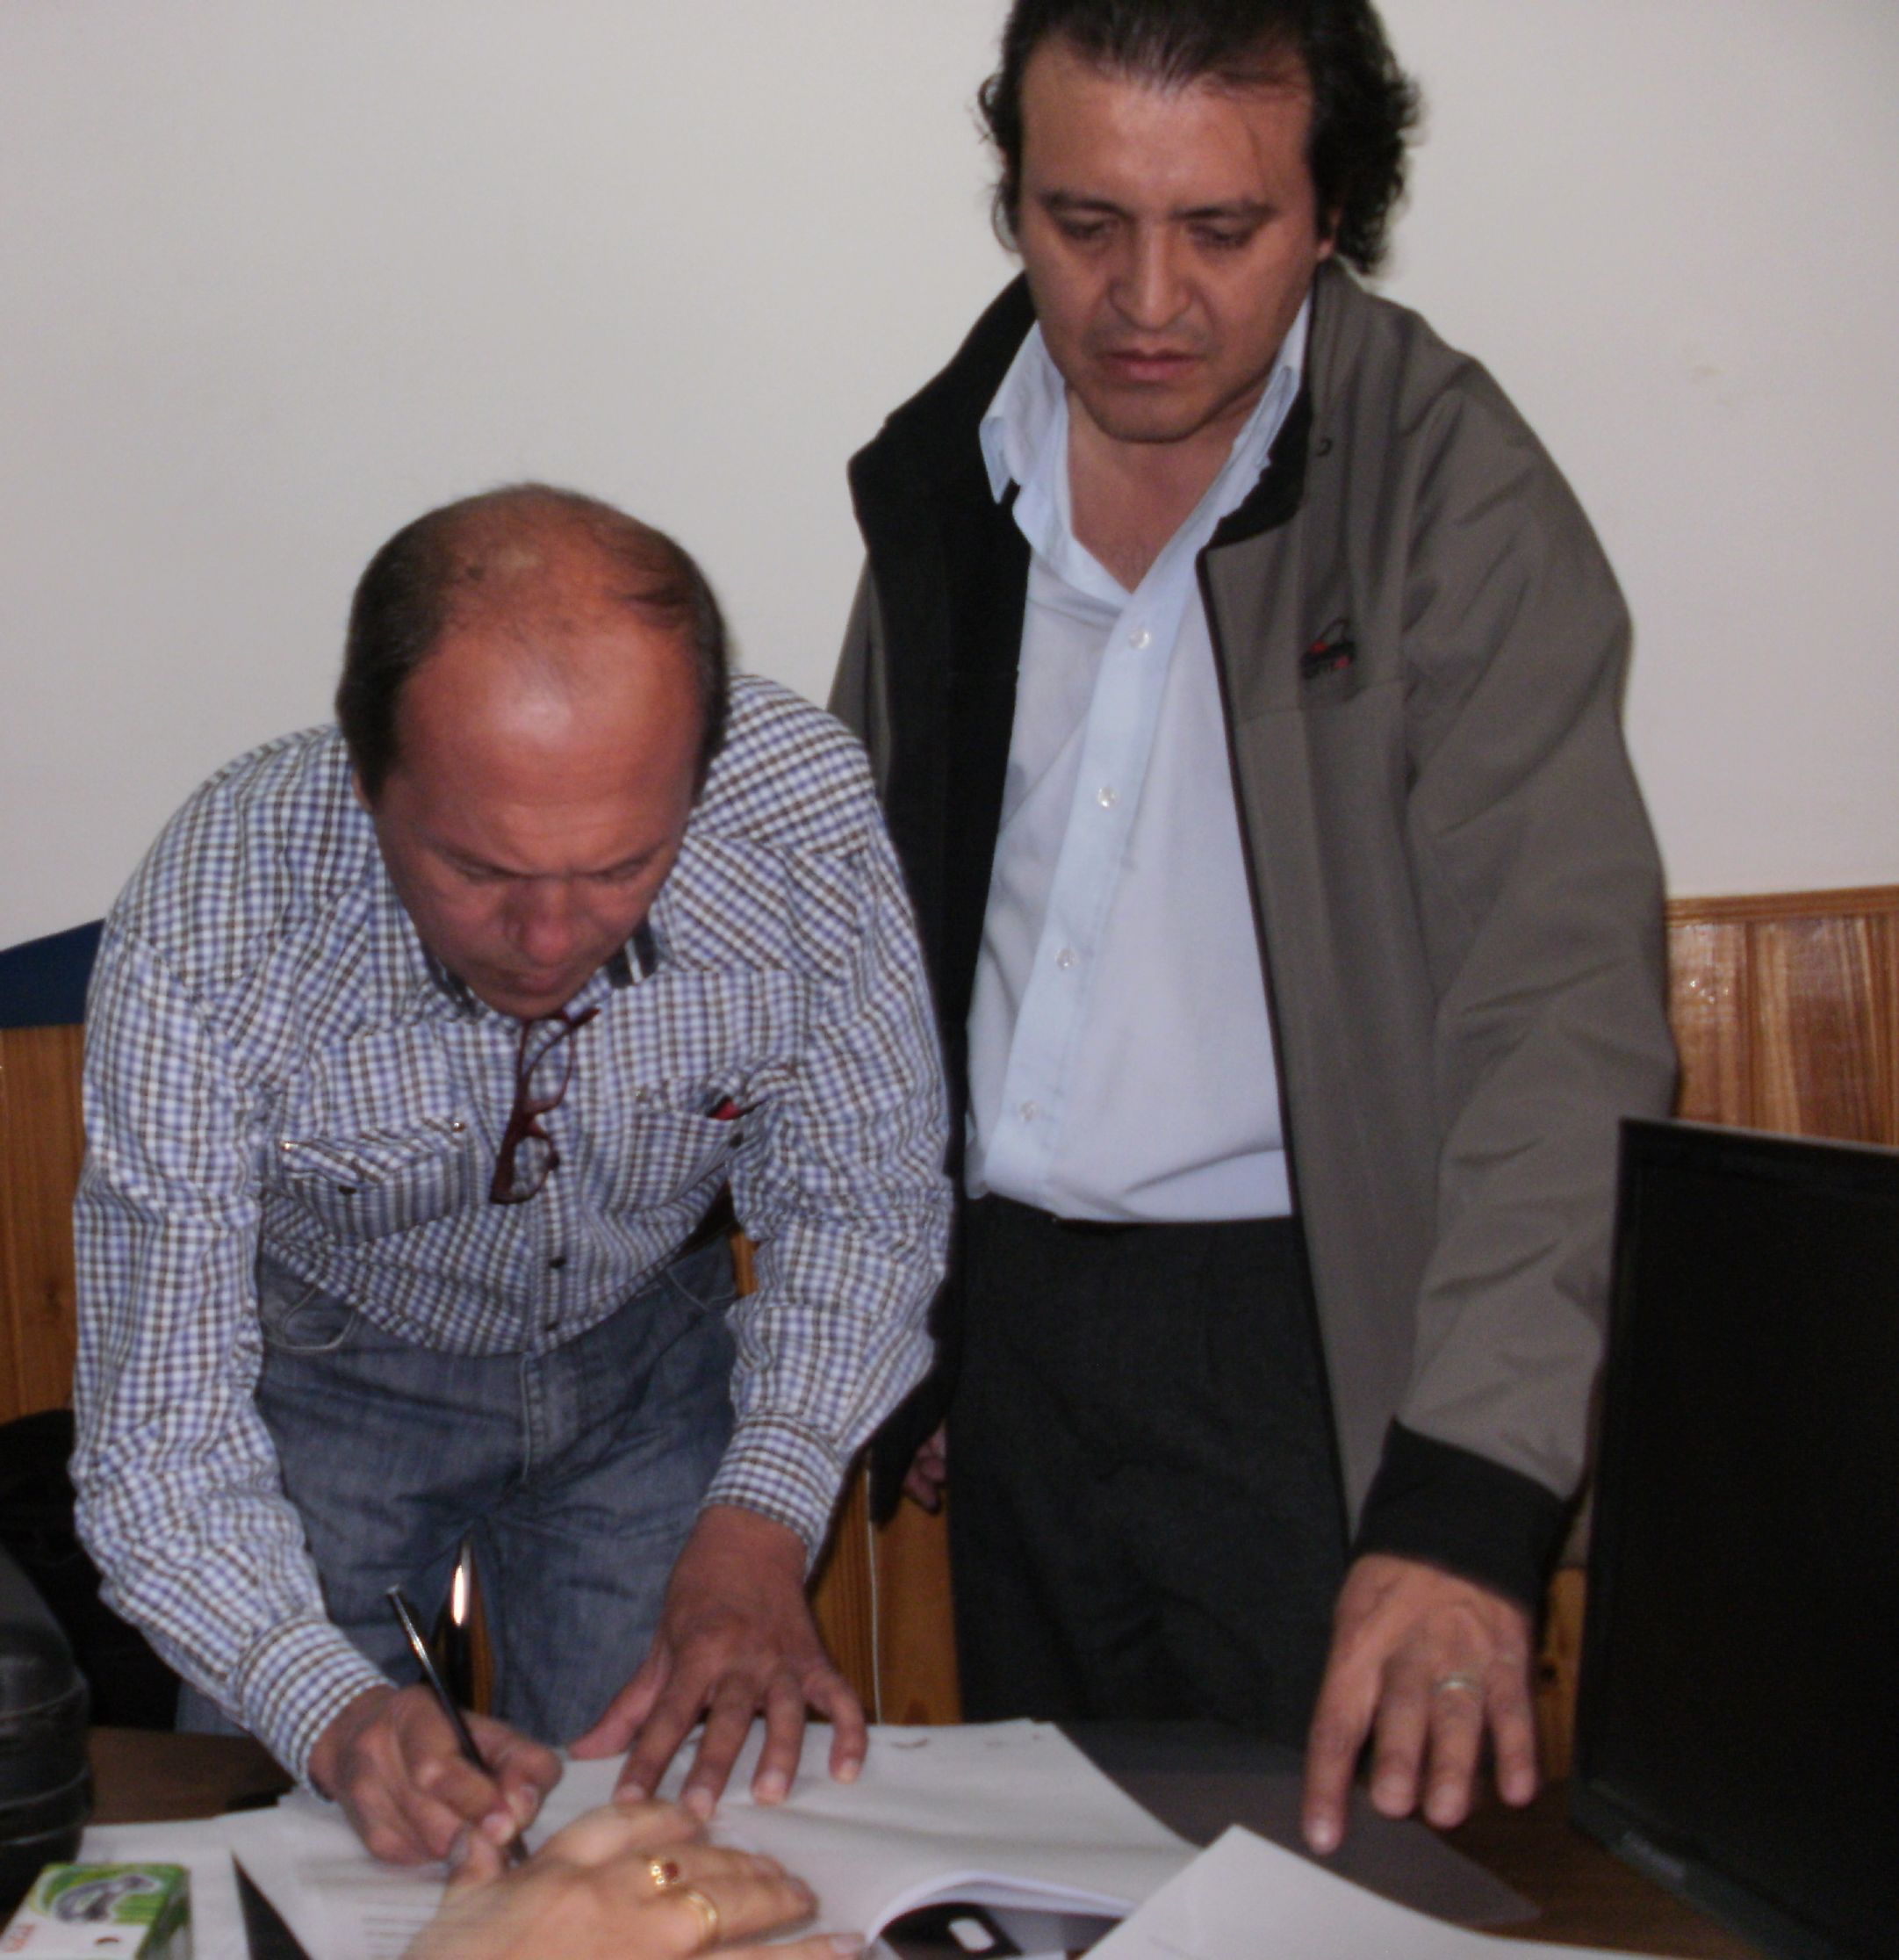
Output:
[[515, 1851]]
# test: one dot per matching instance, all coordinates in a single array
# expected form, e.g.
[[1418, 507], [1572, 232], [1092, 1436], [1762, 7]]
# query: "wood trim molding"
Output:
[[1747, 908]]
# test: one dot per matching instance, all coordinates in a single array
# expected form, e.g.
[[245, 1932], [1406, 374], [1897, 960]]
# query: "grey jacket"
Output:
[[1421, 651]]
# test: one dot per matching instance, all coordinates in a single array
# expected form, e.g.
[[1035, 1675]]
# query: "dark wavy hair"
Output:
[[1363, 103], [439, 568]]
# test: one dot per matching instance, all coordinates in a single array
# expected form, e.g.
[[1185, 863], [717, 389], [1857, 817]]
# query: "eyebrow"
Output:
[[1244, 209], [466, 862]]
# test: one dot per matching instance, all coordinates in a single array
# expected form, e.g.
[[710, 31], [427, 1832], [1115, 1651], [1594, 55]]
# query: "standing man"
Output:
[[1241, 681], [419, 1053]]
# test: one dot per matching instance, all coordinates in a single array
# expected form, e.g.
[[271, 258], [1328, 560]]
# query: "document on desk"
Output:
[[1006, 1813], [1244, 1899]]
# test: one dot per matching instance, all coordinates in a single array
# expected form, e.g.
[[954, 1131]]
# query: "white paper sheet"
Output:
[[1006, 1813], [1246, 1900], [337, 1899]]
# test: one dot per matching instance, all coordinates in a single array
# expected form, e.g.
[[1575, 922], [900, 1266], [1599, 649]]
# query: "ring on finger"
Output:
[[1458, 1684], [708, 1914], [664, 1871]]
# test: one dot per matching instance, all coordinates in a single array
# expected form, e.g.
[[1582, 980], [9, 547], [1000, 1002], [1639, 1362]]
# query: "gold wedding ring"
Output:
[[708, 1914]]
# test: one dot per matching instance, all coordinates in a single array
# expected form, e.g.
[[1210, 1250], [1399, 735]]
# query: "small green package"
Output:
[[130, 1911]]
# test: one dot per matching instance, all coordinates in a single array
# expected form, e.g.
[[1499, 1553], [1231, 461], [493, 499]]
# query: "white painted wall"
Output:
[[275, 278]]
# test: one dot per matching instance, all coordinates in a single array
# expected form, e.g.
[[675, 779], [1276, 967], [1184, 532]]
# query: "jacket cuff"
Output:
[[1451, 1506]]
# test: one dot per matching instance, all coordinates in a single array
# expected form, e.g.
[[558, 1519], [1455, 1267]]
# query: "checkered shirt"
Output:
[[273, 1062]]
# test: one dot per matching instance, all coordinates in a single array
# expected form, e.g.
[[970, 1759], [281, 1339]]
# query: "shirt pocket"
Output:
[[674, 1143], [368, 1187], [372, 1141]]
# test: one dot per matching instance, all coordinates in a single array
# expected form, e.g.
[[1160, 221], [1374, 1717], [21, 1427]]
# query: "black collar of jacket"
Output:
[[932, 439]]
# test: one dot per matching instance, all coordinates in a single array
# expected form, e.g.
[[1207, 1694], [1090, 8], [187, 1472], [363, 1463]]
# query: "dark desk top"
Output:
[[1586, 1896]]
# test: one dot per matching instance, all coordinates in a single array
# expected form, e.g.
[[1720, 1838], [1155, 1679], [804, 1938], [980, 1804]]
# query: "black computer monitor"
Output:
[[1738, 1733]]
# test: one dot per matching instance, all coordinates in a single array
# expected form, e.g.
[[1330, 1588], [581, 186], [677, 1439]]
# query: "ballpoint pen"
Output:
[[515, 1851]]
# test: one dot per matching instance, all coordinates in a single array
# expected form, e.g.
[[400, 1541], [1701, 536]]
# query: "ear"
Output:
[[1328, 235]]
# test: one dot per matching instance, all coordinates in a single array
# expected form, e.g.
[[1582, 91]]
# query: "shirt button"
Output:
[[1030, 1112], [1065, 959], [1105, 795], [1140, 639]]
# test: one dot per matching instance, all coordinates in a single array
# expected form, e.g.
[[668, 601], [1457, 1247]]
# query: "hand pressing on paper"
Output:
[[391, 1760], [634, 1882], [1428, 1665], [736, 1639]]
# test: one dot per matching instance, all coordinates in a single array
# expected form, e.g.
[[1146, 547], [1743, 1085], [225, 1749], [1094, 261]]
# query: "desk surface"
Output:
[[1587, 1898]]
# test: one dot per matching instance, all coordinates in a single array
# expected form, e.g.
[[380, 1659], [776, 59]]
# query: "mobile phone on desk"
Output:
[[954, 1930]]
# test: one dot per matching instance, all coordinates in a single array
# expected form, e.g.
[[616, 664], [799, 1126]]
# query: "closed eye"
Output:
[[1224, 238]]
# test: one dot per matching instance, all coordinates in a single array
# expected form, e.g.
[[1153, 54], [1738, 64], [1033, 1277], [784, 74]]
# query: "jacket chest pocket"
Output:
[[371, 1140]]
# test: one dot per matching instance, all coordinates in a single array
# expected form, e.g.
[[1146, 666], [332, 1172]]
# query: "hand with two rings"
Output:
[[627, 1882], [669, 1878]]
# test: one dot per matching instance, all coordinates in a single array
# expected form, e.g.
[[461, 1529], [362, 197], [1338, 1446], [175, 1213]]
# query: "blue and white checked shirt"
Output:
[[273, 1062]]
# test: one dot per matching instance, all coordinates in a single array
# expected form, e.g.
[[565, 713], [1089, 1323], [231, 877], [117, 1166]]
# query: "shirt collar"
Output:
[[427, 988], [1030, 412]]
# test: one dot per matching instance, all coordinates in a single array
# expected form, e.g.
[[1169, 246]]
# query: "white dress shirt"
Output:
[[1121, 1060]]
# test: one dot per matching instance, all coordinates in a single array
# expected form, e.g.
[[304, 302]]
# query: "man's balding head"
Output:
[[534, 690], [540, 557]]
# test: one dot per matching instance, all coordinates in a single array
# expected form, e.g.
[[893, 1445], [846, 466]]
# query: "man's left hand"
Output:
[[736, 1639], [1430, 1663]]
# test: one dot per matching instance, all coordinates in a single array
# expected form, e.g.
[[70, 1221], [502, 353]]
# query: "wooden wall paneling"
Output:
[[842, 1597], [42, 1144], [1824, 1066], [1709, 1010], [1558, 1669], [916, 1630], [881, 1600], [1787, 1010]]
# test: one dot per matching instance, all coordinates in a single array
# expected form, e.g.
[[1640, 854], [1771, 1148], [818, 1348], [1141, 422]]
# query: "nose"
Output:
[[546, 924], [1149, 289]]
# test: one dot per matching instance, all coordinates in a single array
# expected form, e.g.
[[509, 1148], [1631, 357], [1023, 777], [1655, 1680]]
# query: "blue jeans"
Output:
[[577, 1473]]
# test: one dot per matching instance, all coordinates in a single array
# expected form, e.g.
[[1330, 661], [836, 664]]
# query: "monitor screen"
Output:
[[1739, 1727]]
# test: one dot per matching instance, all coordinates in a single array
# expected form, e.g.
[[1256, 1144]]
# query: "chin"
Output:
[[536, 1006], [1151, 419]]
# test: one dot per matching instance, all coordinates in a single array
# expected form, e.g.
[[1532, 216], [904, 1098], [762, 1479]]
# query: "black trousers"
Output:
[[1146, 1517]]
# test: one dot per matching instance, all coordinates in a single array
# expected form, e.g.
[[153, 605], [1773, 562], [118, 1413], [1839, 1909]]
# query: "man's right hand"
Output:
[[392, 1761], [929, 1472]]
